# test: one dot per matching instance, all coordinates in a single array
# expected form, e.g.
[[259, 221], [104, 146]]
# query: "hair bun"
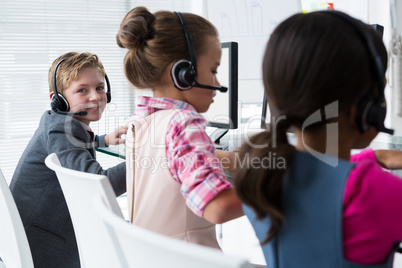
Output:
[[136, 28]]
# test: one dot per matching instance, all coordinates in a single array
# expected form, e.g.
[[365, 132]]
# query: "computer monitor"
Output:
[[223, 111], [264, 116], [380, 30]]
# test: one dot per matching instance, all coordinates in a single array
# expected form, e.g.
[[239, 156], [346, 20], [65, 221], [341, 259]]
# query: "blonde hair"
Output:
[[70, 68], [156, 40]]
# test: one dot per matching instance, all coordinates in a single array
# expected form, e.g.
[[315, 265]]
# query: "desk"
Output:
[[233, 139], [114, 150], [382, 141], [385, 141], [120, 152]]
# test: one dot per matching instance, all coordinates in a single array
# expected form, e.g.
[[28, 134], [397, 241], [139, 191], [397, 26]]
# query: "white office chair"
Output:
[[79, 188], [14, 247], [138, 247]]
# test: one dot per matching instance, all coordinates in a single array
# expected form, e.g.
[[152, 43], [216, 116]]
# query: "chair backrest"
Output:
[[138, 247], [79, 189], [14, 247]]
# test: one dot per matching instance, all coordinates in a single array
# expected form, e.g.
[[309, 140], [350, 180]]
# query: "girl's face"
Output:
[[87, 94], [207, 68]]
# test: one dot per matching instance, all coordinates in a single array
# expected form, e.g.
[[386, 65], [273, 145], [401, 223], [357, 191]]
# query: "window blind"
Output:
[[33, 34]]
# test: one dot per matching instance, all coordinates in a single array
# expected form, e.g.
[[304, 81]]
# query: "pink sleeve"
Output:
[[193, 163], [364, 154], [372, 217]]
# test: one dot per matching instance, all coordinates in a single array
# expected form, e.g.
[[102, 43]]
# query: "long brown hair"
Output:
[[156, 40], [311, 60]]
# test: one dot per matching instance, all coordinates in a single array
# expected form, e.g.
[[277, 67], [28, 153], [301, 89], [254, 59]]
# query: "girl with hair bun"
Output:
[[175, 181], [324, 76]]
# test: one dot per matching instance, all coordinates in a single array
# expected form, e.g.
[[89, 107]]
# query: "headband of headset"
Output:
[[59, 104], [371, 108], [184, 72]]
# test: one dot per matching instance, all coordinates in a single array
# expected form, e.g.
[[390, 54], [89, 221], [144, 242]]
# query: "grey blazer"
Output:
[[37, 192]]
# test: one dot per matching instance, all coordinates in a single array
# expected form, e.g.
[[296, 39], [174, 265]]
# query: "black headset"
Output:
[[371, 110], [184, 72], [60, 105]]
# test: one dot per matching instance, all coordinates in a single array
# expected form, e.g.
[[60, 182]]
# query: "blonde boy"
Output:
[[80, 98]]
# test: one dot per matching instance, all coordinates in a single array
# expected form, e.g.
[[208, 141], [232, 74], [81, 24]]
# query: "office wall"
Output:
[[249, 23], [379, 13], [32, 34], [251, 89], [394, 89]]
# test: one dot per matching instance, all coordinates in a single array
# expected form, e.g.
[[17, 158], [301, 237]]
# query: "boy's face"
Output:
[[88, 94]]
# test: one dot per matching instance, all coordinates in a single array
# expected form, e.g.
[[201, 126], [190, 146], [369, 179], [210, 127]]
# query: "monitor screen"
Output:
[[223, 111]]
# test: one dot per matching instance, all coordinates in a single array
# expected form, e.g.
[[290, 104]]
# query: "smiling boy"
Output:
[[64, 130]]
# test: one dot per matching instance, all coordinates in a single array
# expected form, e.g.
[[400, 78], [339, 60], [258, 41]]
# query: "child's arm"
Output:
[[114, 137], [224, 207], [227, 159], [390, 159]]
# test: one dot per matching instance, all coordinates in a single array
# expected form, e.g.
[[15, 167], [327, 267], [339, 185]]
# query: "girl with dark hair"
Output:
[[318, 206]]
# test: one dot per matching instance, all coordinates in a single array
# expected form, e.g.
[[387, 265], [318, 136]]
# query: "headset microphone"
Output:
[[69, 113], [184, 72], [220, 88]]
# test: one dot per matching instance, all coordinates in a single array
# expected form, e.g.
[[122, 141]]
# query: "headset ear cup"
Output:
[[183, 75], [364, 113], [54, 103], [59, 103], [377, 114], [109, 90], [371, 113]]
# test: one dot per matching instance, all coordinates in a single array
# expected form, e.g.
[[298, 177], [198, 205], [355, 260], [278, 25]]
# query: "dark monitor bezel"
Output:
[[379, 29], [264, 112], [232, 88]]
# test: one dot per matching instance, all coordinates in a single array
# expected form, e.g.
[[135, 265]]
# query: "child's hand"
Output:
[[228, 159], [390, 159], [114, 137]]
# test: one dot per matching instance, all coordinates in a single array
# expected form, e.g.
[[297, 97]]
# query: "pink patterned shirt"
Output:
[[189, 150], [372, 207]]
